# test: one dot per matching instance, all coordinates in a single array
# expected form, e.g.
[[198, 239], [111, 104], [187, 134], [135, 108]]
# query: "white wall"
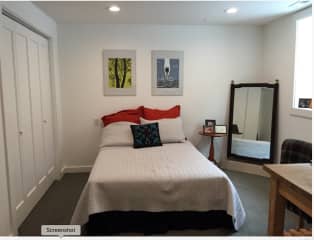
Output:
[[30, 14], [279, 45], [213, 56]]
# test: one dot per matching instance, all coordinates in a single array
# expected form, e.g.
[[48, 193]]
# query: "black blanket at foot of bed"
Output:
[[148, 223]]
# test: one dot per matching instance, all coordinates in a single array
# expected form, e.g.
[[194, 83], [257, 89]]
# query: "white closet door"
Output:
[[28, 117], [24, 114], [38, 138], [47, 106], [10, 119]]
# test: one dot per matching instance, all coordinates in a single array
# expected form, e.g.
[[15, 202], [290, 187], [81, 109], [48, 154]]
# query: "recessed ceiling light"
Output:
[[114, 8], [231, 10]]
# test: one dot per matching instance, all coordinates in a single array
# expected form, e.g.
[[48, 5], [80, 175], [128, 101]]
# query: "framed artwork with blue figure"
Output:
[[167, 73]]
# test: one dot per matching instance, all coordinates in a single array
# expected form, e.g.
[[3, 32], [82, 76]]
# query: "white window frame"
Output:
[[298, 112]]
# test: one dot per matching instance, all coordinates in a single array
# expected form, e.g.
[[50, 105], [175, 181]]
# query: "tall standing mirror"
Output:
[[252, 118]]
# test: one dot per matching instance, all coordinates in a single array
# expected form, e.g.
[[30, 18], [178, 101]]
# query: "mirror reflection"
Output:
[[252, 122]]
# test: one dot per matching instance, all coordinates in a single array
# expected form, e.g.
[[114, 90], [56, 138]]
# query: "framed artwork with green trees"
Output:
[[119, 72]]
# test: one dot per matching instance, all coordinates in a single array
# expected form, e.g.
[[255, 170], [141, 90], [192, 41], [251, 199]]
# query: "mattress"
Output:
[[250, 148], [172, 177]]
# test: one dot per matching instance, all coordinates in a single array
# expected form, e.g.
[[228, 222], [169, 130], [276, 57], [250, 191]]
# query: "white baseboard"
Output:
[[76, 169], [243, 167]]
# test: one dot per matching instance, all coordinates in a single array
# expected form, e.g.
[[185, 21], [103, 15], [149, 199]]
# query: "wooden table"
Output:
[[211, 155], [291, 182]]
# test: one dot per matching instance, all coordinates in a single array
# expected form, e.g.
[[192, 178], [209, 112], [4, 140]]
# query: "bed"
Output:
[[250, 148], [172, 178]]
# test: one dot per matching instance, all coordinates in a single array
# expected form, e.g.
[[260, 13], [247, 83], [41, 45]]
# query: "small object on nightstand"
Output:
[[211, 149], [221, 129], [208, 130]]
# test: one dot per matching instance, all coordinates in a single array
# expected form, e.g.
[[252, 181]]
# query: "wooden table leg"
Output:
[[277, 206], [211, 150]]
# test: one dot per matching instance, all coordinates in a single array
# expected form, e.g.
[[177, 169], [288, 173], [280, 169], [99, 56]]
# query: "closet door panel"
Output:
[[37, 124], [24, 114], [47, 106], [10, 119]]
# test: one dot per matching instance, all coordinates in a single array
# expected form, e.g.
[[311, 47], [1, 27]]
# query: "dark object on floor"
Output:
[[148, 223], [296, 151]]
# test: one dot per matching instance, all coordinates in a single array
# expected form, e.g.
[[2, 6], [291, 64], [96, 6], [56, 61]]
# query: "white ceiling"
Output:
[[161, 12]]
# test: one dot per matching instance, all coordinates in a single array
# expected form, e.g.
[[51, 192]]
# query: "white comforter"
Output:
[[173, 177], [250, 148]]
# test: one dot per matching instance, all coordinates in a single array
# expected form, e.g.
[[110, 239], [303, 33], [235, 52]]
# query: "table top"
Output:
[[212, 134], [299, 175]]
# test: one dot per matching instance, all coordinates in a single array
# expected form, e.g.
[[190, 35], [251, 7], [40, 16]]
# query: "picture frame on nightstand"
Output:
[[210, 123], [209, 126]]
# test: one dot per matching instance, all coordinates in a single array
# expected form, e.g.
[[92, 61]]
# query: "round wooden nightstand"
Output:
[[212, 149]]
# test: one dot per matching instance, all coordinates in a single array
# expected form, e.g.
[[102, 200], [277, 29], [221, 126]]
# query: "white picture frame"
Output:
[[167, 73]]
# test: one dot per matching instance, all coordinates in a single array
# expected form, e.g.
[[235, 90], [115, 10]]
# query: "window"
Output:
[[302, 99]]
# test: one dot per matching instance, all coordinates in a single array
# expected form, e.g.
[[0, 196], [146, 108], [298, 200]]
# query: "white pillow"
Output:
[[170, 129], [117, 134]]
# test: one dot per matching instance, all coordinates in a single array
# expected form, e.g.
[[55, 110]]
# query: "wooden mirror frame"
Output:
[[234, 157]]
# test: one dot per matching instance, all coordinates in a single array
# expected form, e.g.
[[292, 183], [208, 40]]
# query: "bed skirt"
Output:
[[149, 223]]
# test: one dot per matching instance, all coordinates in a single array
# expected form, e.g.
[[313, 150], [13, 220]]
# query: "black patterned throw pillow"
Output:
[[146, 135]]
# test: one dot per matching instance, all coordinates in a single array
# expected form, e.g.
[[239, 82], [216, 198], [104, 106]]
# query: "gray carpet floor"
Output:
[[57, 206]]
